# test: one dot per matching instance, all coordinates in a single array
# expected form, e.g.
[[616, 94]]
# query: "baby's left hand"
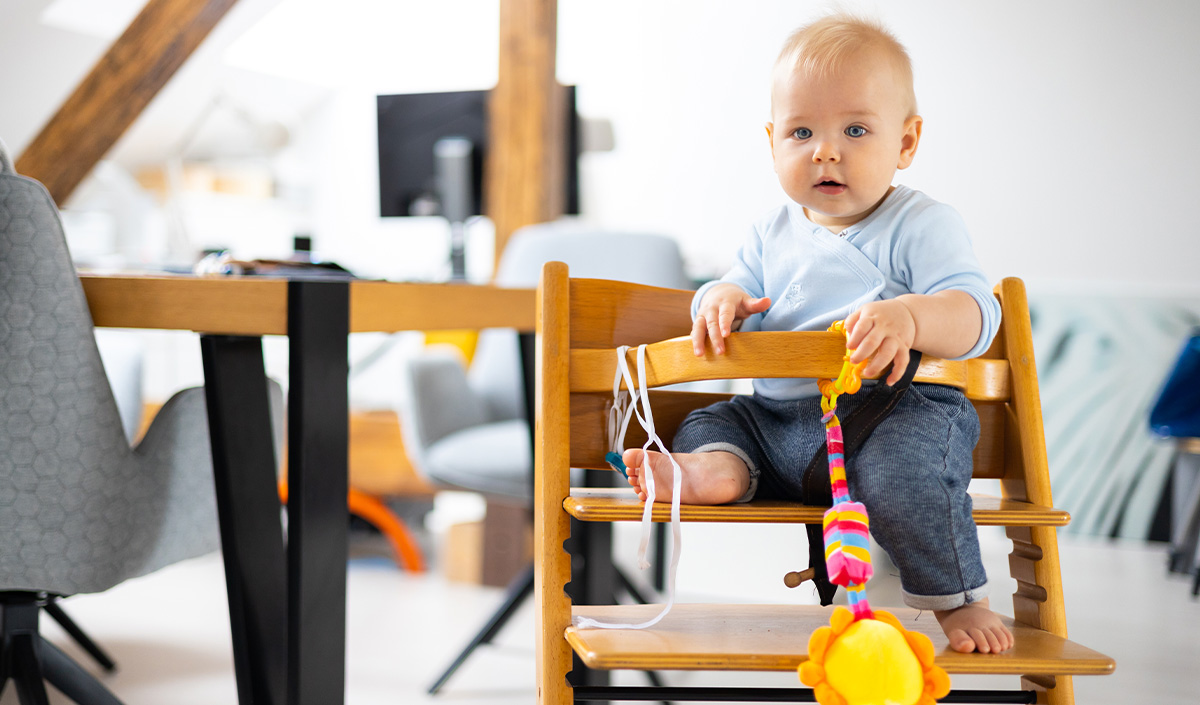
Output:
[[883, 331]]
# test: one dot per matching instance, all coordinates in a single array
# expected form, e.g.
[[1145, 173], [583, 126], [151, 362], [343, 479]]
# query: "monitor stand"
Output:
[[452, 168]]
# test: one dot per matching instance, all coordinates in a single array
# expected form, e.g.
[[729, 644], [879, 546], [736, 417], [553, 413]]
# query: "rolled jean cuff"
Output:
[[730, 448], [945, 602]]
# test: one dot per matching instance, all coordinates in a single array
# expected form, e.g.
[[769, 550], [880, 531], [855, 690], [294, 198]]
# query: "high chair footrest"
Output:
[[775, 638], [621, 504]]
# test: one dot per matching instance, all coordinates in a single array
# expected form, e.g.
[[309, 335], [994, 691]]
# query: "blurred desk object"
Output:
[[288, 650], [1185, 511]]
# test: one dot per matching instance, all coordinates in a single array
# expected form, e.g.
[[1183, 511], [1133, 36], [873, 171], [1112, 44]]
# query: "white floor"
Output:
[[169, 631]]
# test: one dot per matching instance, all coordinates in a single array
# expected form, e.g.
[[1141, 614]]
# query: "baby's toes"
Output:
[[960, 641], [634, 478], [986, 641], [1005, 638]]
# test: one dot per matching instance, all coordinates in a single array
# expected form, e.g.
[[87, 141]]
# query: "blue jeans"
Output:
[[912, 475]]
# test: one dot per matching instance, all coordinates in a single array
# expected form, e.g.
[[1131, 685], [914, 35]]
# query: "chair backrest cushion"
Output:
[[78, 511]]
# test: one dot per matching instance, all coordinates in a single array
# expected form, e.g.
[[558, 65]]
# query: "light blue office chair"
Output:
[[80, 510], [467, 429]]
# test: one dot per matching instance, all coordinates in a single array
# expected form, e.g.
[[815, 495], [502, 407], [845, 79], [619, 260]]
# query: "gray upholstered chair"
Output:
[[469, 429], [80, 510]]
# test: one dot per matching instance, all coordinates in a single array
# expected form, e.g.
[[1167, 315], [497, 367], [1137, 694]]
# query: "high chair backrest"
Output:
[[606, 314], [582, 321]]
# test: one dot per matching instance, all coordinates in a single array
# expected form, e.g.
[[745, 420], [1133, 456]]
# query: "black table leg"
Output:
[[318, 519], [244, 468]]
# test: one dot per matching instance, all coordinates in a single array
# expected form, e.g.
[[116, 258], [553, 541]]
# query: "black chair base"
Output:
[[70, 627], [29, 661], [520, 588], [517, 591]]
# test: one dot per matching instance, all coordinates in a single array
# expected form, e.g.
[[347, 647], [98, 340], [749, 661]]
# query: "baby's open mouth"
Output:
[[829, 183]]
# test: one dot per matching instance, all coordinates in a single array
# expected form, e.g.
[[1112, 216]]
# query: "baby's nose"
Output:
[[825, 152]]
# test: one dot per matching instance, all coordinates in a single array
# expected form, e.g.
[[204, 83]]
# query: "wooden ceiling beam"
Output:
[[119, 87], [525, 169]]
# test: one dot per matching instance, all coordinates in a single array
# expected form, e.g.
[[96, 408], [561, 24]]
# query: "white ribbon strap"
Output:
[[640, 394], [621, 411]]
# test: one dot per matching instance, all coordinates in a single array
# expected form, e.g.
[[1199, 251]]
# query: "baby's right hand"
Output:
[[721, 307]]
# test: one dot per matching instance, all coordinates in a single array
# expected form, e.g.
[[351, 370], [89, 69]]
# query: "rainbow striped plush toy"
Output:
[[864, 657]]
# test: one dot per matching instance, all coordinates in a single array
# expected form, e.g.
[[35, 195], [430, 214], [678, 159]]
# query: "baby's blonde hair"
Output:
[[820, 47]]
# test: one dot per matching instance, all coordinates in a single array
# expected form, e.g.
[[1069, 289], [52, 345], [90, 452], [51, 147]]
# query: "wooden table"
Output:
[[288, 650]]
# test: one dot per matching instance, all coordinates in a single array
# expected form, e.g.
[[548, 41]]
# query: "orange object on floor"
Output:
[[376, 513]]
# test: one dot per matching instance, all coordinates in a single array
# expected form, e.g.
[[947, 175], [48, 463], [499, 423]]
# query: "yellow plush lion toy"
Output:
[[872, 661]]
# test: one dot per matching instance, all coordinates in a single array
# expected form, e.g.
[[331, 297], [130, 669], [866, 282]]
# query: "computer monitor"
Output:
[[410, 124]]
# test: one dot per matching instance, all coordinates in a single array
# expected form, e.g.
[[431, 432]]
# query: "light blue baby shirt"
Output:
[[911, 244]]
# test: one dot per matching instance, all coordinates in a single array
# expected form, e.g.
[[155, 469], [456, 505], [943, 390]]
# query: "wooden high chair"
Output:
[[582, 321]]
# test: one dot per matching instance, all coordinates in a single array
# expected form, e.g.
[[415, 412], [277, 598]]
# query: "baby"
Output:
[[899, 268]]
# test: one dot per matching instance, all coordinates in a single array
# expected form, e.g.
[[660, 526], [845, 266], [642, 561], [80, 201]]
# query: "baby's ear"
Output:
[[909, 141], [771, 138]]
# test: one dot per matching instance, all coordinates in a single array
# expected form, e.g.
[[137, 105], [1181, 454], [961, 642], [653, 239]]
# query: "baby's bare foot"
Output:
[[974, 627], [708, 478]]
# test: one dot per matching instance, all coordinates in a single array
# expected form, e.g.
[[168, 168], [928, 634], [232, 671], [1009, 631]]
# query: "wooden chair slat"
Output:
[[620, 314], [589, 412], [589, 437], [723, 637], [605, 504]]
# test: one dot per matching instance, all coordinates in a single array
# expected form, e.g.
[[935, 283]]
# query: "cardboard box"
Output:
[[492, 551], [462, 553]]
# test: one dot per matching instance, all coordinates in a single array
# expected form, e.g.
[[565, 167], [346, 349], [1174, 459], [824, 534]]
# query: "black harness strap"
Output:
[[856, 428]]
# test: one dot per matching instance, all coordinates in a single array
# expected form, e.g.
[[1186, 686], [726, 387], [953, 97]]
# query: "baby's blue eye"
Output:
[[802, 133], [856, 130]]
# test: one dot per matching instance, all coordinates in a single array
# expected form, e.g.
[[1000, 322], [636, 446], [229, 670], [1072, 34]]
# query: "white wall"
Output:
[[1060, 130]]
